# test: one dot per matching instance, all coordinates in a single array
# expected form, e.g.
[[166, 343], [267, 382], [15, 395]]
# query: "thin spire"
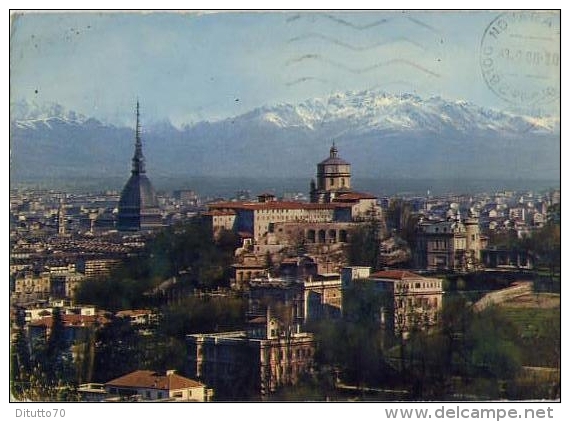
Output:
[[138, 129], [138, 158]]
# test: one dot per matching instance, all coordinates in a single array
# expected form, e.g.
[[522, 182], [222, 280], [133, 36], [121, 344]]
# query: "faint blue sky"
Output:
[[188, 67]]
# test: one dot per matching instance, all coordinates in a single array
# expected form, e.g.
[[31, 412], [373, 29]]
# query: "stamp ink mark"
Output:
[[520, 57]]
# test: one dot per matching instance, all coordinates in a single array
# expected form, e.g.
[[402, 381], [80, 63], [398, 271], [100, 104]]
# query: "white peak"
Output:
[[23, 110]]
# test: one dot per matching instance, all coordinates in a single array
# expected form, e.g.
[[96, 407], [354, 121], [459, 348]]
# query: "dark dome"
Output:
[[334, 161], [138, 207], [138, 193]]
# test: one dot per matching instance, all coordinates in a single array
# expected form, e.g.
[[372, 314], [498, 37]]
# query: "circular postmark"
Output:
[[520, 57]]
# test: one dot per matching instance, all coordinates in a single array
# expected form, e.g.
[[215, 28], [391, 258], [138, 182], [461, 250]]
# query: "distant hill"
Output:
[[382, 135]]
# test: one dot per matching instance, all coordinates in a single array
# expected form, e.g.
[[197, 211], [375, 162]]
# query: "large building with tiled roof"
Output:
[[270, 227], [259, 218], [332, 201], [144, 385]]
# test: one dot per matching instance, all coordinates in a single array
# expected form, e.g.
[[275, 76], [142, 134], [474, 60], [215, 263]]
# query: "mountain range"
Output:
[[382, 135]]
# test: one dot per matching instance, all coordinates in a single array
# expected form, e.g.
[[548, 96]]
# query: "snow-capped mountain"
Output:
[[382, 135], [367, 111], [25, 114]]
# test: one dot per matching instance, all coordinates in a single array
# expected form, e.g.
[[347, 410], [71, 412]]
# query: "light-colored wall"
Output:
[[194, 394]]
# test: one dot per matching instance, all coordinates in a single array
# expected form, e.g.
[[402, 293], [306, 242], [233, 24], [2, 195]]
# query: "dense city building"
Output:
[[288, 272]]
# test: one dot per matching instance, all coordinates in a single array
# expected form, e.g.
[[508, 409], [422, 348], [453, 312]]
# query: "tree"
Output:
[[20, 360], [117, 350], [202, 315], [364, 246], [546, 247], [186, 251], [355, 345], [48, 374], [56, 359], [493, 353], [400, 218]]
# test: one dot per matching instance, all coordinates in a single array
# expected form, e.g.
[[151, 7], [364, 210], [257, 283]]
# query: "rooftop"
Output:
[[156, 380], [71, 320], [353, 196], [272, 205], [395, 274]]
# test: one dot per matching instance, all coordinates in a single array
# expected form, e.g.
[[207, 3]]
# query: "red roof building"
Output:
[[144, 385]]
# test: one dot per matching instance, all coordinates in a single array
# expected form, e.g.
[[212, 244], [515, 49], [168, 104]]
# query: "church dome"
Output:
[[334, 159]]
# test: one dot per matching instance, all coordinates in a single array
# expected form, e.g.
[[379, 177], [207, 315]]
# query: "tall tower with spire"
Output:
[[138, 206]]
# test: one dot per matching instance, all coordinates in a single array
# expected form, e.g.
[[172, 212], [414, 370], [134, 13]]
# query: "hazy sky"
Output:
[[188, 67]]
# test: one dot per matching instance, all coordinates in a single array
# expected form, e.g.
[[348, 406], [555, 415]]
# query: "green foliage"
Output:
[[203, 315], [37, 386], [362, 303], [319, 386], [20, 363], [400, 218], [546, 247], [56, 357], [119, 291], [161, 353], [364, 246], [355, 345], [537, 335], [84, 352], [191, 248], [186, 251], [543, 245], [48, 374], [121, 348], [118, 350]]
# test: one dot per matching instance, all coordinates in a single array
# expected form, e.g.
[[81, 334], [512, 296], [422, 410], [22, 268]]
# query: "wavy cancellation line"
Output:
[[336, 41], [361, 70]]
